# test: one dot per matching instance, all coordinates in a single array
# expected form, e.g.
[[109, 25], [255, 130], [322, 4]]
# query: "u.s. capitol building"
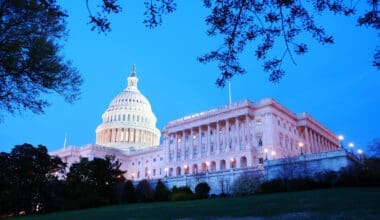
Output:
[[215, 145]]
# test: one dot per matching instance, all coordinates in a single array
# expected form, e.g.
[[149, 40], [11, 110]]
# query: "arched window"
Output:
[[243, 162], [178, 171], [222, 165], [204, 167], [195, 168], [213, 166]]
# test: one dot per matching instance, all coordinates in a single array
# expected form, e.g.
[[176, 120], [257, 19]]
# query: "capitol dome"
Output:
[[129, 123]]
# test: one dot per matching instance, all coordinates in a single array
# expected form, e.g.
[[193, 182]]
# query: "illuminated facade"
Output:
[[215, 145]]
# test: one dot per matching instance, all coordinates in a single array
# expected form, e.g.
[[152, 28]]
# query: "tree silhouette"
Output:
[[28, 180], [91, 183], [161, 192], [31, 35]]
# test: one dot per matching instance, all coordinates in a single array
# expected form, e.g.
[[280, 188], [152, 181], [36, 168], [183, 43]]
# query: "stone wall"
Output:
[[308, 165], [219, 181], [292, 167]]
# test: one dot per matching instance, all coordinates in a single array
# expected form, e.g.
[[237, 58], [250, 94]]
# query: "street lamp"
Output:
[[148, 172], [232, 162], [266, 153], [300, 145], [341, 138], [351, 145], [207, 164], [360, 152], [185, 167], [273, 153], [166, 171]]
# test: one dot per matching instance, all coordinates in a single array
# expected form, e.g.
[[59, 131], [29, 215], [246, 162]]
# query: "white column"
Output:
[[227, 135], [112, 135], [237, 136], [191, 143], [217, 137], [183, 145], [307, 140], [208, 147], [248, 133], [200, 142], [176, 147]]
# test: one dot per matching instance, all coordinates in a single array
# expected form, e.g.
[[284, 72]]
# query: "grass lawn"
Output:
[[343, 203]]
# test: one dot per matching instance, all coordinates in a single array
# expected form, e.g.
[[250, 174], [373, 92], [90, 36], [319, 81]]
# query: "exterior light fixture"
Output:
[[351, 146], [300, 145], [266, 153], [341, 138], [273, 153]]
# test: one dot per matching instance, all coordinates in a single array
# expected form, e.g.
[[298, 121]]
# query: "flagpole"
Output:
[[65, 141]]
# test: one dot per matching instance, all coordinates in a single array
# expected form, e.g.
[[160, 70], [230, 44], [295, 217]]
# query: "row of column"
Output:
[[128, 135], [218, 137], [317, 143]]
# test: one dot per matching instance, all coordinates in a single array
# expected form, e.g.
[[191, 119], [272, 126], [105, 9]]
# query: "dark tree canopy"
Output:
[[91, 183], [28, 180], [202, 190], [31, 66], [374, 148], [161, 192], [144, 191], [259, 26]]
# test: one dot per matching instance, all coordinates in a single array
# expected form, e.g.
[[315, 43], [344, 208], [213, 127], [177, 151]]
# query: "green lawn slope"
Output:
[[340, 203]]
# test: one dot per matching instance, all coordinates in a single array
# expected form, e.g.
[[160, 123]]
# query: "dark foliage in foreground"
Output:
[[92, 183], [31, 64], [28, 181], [161, 192], [202, 190]]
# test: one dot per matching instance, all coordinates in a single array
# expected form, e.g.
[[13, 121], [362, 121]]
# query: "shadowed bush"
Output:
[[181, 193], [161, 192], [202, 190]]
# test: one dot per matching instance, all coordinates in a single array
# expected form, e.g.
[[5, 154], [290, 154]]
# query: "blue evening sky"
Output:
[[336, 84]]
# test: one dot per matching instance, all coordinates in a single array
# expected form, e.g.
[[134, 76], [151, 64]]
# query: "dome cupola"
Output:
[[129, 123]]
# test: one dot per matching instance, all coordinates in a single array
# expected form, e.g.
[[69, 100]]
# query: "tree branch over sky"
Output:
[[32, 32], [31, 66], [259, 26]]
